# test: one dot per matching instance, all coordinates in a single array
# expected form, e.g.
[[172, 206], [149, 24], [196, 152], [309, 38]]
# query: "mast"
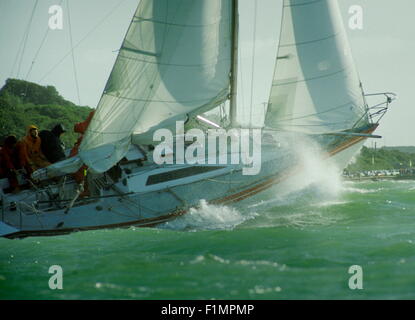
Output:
[[234, 68]]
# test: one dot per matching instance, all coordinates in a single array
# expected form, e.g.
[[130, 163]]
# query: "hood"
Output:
[[58, 130]]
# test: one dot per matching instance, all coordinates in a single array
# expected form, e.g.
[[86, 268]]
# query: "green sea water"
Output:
[[299, 245]]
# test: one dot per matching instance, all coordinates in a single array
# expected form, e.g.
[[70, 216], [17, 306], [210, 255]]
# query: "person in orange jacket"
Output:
[[31, 157]]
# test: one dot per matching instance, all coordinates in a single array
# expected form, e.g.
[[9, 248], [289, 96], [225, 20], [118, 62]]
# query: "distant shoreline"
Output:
[[378, 178]]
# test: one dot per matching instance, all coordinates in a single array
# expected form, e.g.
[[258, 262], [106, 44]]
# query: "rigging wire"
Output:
[[112, 11], [39, 49], [27, 36], [253, 61], [73, 54], [241, 77], [22, 46], [36, 54]]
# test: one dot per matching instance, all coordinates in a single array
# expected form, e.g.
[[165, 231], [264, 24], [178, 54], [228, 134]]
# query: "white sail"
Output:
[[316, 88], [174, 63]]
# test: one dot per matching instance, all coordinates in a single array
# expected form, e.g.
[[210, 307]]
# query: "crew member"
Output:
[[81, 128], [8, 163], [80, 175], [31, 157], [52, 146]]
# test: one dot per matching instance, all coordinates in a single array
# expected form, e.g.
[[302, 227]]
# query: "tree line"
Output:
[[24, 103], [382, 159]]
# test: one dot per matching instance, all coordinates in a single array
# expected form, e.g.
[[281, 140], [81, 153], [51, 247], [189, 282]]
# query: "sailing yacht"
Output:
[[177, 64]]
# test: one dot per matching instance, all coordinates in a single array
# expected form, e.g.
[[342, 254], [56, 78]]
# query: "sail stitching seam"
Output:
[[310, 79], [318, 113], [311, 41], [178, 24], [302, 4], [163, 101], [176, 65]]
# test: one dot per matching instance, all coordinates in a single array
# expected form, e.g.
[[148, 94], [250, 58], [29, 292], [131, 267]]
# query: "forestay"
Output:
[[316, 88], [173, 64]]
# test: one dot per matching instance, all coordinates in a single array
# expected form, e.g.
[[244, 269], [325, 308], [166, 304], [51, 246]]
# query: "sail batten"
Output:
[[310, 79], [147, 53], [316, 88]]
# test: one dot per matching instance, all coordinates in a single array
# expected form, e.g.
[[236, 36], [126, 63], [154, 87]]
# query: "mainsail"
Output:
[[316, 88], [174, 63]]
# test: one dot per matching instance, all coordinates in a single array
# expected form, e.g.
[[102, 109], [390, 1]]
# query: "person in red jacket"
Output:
[[80, 175], [81, 128], [8, 163]]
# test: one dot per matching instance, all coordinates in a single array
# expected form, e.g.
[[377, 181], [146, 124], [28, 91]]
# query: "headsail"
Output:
[[174, 63], [316, 88]]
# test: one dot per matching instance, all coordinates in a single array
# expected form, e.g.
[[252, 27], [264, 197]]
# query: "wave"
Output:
[[209, 217], [304, 219], [330, 203], [362, 191], [254, 264]]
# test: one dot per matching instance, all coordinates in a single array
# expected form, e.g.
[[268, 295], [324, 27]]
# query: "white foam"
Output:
[[209, 217], [330, 203], [316, 182], [314, 170]]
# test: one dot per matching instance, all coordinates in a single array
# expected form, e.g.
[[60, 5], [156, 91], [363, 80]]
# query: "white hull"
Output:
[[149, 195]]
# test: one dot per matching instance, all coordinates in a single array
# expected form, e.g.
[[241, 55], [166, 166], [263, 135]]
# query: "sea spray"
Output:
[[316, 169], [313, 179], [208, 217], [312, 188]]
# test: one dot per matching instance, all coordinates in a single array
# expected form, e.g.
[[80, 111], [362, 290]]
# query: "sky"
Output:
[[383, 50]]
